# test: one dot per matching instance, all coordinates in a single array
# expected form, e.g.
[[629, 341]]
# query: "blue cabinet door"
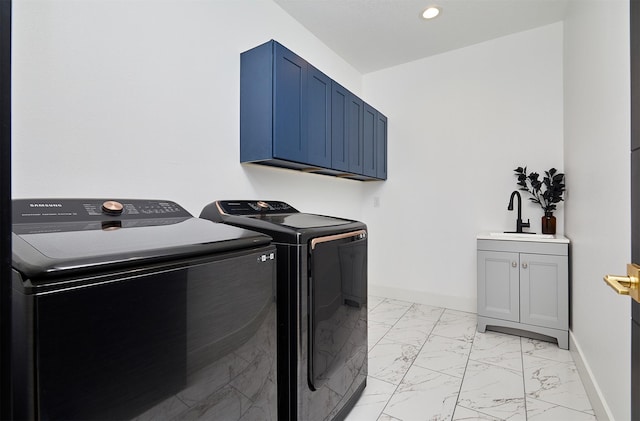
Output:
[[289, 128], [369, 150], [318, 118], [381, 147], [302, 107], [375, 143], [339, 131], [256, 103], [355, 113]]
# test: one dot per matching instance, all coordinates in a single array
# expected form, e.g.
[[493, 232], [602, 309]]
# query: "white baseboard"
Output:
[[599, 405], [455, 303]]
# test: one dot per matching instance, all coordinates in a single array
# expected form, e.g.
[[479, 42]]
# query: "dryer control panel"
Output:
[[253, 207]]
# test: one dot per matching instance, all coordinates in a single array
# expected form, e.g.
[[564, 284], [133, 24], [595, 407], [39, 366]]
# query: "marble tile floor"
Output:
[[429, 363]]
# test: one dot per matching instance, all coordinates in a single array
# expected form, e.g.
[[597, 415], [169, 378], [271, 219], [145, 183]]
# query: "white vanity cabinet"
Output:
[[524, 284]]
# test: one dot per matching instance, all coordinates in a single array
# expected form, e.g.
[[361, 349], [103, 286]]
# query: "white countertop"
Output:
[[537, 238]]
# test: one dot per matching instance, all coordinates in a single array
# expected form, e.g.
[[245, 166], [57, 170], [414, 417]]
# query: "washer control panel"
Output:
[[253, 207], [29, 211]]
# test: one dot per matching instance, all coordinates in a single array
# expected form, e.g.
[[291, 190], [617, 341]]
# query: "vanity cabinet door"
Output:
[[498, 285], [544, 290]]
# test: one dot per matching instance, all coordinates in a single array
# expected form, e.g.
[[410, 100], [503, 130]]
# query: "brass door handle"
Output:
[[623, 285]]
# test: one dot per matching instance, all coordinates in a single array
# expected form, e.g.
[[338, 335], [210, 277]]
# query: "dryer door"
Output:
[[337, 305]]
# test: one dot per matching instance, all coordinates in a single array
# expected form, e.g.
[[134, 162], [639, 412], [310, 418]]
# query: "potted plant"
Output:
[[546, 192]]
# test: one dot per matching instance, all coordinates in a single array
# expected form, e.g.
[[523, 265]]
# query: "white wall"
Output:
[[459, 123], [140, 99], [597, 139]]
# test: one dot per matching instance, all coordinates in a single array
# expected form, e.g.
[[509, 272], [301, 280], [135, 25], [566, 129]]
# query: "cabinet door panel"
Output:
[[318, 118], [498, 285], [355, 114], [544, 290], [339, 133], [289, 96], [256, 103], [369, 140], [381, 147]]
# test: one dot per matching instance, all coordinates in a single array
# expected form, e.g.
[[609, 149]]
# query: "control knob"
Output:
[[111, 207], [263, 205]]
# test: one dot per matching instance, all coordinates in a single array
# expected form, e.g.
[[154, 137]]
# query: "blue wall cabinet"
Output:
[[294, 116]]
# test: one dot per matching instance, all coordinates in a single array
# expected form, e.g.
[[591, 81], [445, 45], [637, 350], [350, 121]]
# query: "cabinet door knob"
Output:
[[514, 264], [524, 266]]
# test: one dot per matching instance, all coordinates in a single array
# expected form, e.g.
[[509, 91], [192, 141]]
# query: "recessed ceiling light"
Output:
[[431, 12]]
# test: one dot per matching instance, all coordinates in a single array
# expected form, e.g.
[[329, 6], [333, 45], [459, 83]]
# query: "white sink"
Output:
[[498, 235], [518, 236]]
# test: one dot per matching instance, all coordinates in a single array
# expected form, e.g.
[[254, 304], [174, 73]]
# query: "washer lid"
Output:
[[302, 220], [279, 220], [66, 241], [265, 212]]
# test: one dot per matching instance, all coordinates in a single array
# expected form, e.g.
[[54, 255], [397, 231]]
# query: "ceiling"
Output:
[[376, 34]]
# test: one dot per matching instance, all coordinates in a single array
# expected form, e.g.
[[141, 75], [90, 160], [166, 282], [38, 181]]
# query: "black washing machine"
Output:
[[135, 309], [322, 305]]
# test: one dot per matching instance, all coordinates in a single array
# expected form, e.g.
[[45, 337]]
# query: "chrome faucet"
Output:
[[519, 223]]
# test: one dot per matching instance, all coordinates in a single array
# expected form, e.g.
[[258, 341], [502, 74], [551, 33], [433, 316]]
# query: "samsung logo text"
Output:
[[45, 205]]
